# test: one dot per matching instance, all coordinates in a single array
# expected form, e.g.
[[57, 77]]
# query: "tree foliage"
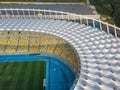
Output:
[[108, 7]]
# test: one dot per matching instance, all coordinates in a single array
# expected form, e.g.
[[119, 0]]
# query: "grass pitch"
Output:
[[22, 75]]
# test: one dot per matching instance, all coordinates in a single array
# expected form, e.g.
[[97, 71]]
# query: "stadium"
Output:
[[55, 50]]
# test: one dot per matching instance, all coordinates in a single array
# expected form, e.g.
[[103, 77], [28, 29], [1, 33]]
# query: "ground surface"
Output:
[[22, 75], [44, 0], [72, 8]]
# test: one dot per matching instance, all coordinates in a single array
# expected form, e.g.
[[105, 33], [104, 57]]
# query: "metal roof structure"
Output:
[[98, 51]]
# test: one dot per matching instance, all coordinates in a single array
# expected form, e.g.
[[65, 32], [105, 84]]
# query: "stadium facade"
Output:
[[90, 47]]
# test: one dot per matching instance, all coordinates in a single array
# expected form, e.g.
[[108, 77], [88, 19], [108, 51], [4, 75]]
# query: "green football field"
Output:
[[22, 75]]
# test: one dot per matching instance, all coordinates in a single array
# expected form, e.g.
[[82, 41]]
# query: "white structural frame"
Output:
[[59, 15]]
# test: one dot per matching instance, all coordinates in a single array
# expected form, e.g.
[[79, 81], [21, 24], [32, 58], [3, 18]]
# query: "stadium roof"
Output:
[[98, 51]]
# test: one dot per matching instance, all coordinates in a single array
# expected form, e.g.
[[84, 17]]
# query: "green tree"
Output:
[[108, 7]]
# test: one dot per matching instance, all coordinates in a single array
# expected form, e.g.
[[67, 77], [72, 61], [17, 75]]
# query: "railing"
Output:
[[50, 14]]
